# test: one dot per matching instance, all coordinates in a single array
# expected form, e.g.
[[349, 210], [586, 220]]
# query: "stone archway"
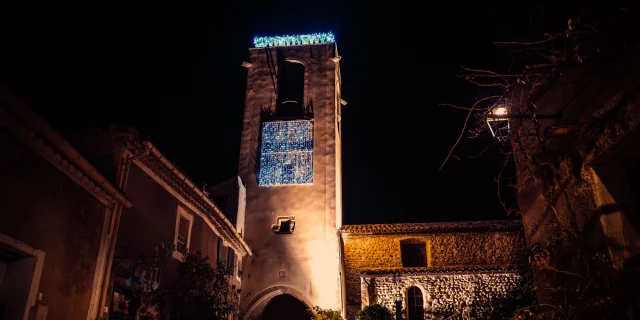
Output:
[[259, 303]]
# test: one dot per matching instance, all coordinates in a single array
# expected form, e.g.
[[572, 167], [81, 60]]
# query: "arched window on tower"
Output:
[[415, 304], [290, 102]]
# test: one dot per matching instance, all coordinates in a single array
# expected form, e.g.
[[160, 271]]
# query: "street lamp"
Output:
[[398, 297], [498, 124], [498, 120]]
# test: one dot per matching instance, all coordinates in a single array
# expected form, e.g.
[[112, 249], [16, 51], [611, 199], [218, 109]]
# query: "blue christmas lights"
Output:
[[279, 41], [286, 154]]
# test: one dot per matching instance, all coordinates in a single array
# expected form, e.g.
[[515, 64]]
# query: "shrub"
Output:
[[318, 313], [375, 312]]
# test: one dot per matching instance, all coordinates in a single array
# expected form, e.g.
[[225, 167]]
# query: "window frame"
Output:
[[422, 303], [231, 259], [426, 243], [220, 247], [238, 268], [184, 214]]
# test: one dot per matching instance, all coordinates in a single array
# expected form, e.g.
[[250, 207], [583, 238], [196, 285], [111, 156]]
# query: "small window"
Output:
[[182, 240], [413, 253], [183, 234], [219, 256], [231, 261], [415, 304], [284, 225]]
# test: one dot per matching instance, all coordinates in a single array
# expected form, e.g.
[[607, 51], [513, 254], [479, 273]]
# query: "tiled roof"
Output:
[[438, 270], [434, 227], [178, 181], [16, 116], [212, 212]]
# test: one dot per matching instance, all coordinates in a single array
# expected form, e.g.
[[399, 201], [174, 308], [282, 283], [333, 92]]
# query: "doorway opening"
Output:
[[285, 306]]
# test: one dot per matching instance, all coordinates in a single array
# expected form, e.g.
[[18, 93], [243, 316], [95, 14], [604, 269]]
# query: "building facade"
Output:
[[71, 243], [443, 270], [55, 229], [231, 197], [290, 161], [171, 218], [277, 225]]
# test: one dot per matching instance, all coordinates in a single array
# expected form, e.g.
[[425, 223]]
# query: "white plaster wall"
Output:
[[309, 257], [242, 204]]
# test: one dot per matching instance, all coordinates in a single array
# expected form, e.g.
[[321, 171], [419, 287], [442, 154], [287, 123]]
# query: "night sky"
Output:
[[173, 70]]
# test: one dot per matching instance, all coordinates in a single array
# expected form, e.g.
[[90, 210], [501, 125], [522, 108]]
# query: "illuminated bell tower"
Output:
[[290, 160]]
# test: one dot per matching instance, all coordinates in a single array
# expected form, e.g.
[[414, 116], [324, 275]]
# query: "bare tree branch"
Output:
[[464, 127], [454, 106], [484, 150], [504, 165], [529, 43]]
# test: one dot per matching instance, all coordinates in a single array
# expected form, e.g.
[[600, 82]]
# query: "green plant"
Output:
[[201, 291], [317, 313], [375, 312]]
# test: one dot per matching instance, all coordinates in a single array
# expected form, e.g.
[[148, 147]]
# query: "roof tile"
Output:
[[434, 227], [447, 269]]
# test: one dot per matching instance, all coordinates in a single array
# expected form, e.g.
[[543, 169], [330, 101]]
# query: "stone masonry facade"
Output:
[[470, 266], [467, 295]]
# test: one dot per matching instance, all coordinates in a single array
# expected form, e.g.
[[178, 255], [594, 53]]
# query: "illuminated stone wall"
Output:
[[446, 296], [461, 247], [304, 264]]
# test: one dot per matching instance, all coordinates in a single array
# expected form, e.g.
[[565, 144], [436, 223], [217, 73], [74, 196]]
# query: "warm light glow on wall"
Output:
[[278, 41], [286, 154], [323, 266]]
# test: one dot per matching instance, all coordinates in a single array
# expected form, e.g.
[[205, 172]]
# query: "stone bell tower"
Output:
[[290, 160]]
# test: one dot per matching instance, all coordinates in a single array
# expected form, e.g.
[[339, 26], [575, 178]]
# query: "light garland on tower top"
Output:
[[279, 41]]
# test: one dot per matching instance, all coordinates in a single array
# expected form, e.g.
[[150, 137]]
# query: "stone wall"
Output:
[[446, 296], [488, 245]]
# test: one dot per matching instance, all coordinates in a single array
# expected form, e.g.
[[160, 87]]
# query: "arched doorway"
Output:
[[285, 306]]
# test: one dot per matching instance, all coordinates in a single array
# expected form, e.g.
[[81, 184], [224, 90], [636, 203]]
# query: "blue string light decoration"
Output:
[[280, 41], [286, 154]]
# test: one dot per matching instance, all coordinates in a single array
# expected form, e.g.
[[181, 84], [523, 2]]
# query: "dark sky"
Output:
[[173, 69]]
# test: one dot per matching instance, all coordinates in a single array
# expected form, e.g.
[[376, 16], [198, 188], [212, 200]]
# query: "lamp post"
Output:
[[398, 297]]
